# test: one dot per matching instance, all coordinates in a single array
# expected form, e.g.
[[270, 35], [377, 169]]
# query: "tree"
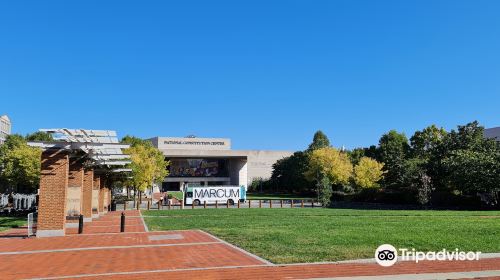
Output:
[[470, 161], [20, 164], [393, 148], [39, 136], [329, 162], [320, 140], [325, 191], [424, 142], [288, 173], [417, 179], [148, 164], [368, 172], [474, 171], [356, 155], [134, 141]]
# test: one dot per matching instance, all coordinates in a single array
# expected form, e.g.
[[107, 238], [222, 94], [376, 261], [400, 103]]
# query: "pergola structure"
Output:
[[75, 176]]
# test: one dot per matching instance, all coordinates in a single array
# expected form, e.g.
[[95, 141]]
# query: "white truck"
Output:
[[199, 195]]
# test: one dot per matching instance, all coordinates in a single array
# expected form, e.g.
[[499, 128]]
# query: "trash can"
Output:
[[113, 205]]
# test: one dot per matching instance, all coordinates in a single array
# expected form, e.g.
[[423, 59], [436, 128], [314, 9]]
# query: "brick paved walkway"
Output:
[[103, 252]]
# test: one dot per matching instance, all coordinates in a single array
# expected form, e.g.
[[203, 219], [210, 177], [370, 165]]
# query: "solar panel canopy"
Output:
[[101, 146]]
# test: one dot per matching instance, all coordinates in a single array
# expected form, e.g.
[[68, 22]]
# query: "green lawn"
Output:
[[312, 235], [179, 195], [275, 196], [10, 222]]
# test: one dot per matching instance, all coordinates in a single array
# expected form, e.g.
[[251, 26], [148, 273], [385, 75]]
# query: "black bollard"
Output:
[[122, 224], [80, 224]]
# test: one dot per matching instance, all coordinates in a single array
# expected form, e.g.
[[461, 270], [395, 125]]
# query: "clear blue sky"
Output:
[[267, 74]]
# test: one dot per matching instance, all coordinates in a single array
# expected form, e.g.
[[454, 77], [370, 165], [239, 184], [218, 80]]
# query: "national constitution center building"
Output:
[[211, 161]]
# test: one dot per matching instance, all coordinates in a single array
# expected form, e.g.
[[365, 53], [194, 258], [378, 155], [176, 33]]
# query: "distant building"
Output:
[[493, 133], [5, 128], [211, 161]]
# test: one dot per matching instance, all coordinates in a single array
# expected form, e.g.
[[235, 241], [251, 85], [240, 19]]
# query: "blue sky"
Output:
[[267, 74]]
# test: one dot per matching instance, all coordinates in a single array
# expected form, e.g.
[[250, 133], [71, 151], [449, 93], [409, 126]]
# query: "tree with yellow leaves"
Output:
[[19, 165], [148, 164], [331, 163], [368, 172], [328, 166]]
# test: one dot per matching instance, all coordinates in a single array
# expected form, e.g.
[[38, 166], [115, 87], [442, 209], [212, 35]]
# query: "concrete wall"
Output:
[[238, 171], [182, 143], [493, 133], [260, 163], [75, 188]]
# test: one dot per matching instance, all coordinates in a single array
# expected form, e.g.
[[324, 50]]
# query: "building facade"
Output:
[[493, 133], [5, 128], [211, 161]]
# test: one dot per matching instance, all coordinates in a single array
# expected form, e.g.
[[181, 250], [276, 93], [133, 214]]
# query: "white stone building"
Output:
[[5, 128]]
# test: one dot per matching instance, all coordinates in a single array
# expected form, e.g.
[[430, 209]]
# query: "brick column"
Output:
[[88, 183], [106, 199], [53, 191], [109, 198], [101, 194], [75, 188], [95, 196]]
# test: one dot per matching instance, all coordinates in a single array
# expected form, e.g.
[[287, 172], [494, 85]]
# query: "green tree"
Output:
[[474, 171], [416, 178], [423, 143], [325, 191], [393, 148], [288, 173], [320, 140], [39, 136], [19, 164], [356, 154], [468, 160], [134, 141], [368, 172]]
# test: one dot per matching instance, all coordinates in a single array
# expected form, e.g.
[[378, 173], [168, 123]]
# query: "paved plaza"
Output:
[[103, 252]]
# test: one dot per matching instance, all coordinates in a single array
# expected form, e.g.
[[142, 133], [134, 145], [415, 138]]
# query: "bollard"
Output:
[[291, 203], [138, 205], [281, 203], [149, 204], [80, 224], [216, 204], [312, 203], [302, 203], [249, 204], [238, 203], [227, 203], [270, 203], [159, 203], [182, 203], [192, 205], [260, 203], [169, 206], [205, 204], [122, 222]]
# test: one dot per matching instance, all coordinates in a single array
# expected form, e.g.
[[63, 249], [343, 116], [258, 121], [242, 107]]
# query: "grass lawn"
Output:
[[179, 195], [313, 235], [10, 222], [275, 196]]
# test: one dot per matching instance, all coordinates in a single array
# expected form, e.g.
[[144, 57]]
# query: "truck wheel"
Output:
[[196, 202], [230, 201]]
